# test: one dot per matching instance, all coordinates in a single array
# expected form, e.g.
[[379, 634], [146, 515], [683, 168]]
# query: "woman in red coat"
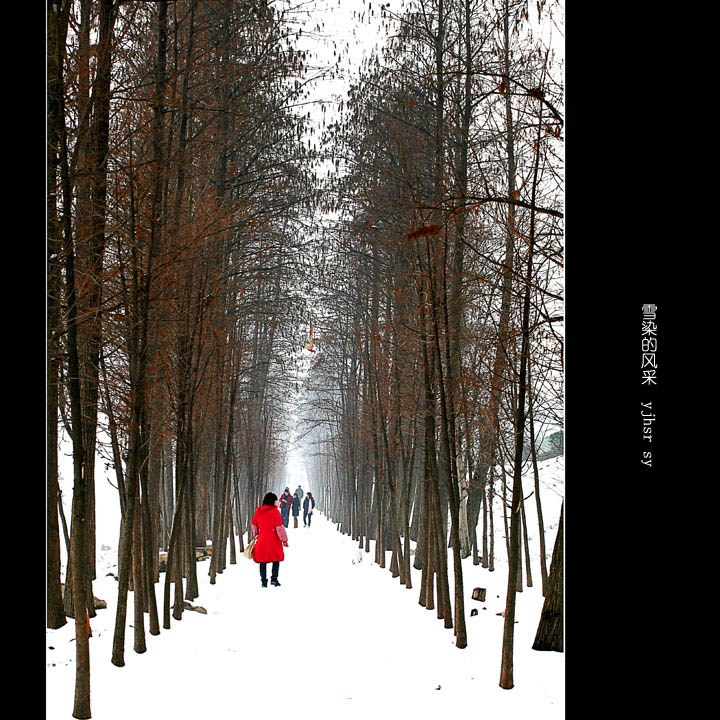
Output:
[[268, 528]]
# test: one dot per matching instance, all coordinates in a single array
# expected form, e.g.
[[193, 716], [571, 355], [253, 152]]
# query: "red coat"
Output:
[[268, 547]]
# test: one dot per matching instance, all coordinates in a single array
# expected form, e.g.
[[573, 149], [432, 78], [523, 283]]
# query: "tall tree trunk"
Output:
[[56, 39], [455, 312], [501, 362], [549, 634], [526, 545], [133, 559], [125, 554], [90, 337], [78, 535], [448, 439], [77, 559], [491, 514], [506, 672], [138, 580], [149, 550], [536, 475]]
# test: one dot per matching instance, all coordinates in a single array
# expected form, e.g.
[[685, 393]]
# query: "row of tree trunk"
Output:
[[439, 350], [178, 176]]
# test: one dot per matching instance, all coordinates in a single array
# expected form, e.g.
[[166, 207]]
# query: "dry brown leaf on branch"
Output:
[[427, 230]]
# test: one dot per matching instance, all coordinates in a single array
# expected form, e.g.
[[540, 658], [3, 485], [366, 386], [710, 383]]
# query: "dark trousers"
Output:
[[275, 570], [285, 515], [307, 517]]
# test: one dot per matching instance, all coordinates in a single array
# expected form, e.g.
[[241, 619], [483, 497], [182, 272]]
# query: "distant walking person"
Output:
[[285, 503], [299, 492], [295, 508], [308, 506], [267, 527]]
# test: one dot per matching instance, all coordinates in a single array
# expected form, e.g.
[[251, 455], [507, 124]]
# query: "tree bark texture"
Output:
[[549, 634]]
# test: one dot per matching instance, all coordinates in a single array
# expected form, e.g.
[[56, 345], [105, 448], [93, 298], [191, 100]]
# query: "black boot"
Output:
[[274, 581], [264, 583]]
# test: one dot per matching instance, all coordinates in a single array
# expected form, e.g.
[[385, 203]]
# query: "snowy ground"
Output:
[[339, 639]]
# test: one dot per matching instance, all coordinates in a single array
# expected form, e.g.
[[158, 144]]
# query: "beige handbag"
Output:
[[248, 551]]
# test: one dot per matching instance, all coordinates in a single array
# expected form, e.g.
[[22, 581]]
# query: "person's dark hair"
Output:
[[270, 499]]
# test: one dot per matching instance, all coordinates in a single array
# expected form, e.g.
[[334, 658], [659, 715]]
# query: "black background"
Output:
[[631, 238]]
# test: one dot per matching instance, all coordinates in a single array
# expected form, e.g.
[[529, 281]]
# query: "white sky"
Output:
[[336, 34]]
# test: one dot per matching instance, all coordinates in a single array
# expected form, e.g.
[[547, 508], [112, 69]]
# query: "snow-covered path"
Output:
[[339, 639]]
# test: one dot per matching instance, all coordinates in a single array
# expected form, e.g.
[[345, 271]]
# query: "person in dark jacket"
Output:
[[295, 508], [268, 528], [285, 503], [308, 505]]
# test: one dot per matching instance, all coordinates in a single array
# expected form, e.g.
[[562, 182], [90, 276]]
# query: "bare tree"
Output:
[[549, 634]]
